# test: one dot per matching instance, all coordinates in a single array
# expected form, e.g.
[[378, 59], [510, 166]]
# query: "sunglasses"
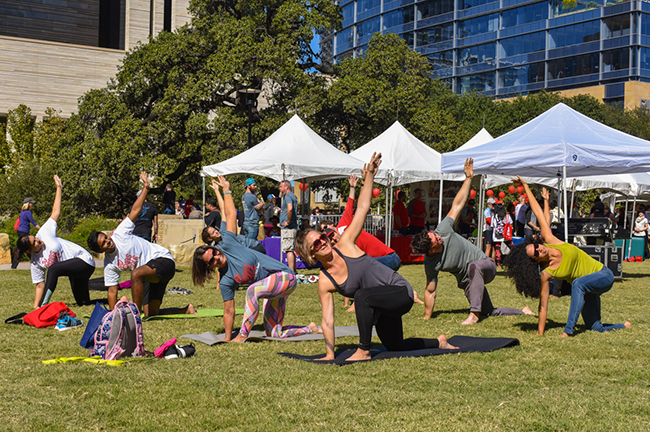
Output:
[[213, 260], [319, 242], [535, 250]]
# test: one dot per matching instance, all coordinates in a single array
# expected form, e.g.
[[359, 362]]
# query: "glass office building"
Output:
[[508, 47]]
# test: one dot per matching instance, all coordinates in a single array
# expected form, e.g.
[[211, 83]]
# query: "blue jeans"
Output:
[[585, 298], [391, 261], [250, 230]]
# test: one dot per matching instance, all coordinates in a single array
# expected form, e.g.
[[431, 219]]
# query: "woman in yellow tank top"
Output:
[[532, 264]]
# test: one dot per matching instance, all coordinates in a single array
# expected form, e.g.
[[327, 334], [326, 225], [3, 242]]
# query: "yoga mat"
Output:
[[256, 336], [202, 313], [464, 343]]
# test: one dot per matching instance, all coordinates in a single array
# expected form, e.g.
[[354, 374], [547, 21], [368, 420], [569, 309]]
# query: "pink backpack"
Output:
[[120, 333]]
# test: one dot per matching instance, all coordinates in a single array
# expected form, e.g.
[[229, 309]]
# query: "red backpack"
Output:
[[47, 315]]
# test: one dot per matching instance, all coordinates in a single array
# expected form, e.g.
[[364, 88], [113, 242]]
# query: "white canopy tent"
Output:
[[292, 152], [561, 140], [405, 159]]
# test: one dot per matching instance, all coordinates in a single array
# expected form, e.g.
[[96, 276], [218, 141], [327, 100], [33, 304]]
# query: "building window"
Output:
[[435, 34], [441, 60], [344, 40], [348, 11], [616, 26], [563, 7], [408, 38], [522, 44], [398, 17], [521, 75], [167, 16], [366, 5], [431, 8], [466, 4], [478, 25], [616, 59], [524, 15], [483, 82], [477, 54], [573, 66], [574, 34], [367, 28]]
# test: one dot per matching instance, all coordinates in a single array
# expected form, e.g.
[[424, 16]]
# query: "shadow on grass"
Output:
[[633, 276], [435, 314], [525, 326]]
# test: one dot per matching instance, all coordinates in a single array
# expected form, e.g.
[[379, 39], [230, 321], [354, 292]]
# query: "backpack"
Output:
[[120, 333], [47, 315], [17, 224]]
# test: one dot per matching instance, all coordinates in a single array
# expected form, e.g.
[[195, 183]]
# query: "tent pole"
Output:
[[203, 187], [629, 248], [481, 214], [440, 202], [627, 200], [573, 195], [566, 215], [389, 213], [387, 229]]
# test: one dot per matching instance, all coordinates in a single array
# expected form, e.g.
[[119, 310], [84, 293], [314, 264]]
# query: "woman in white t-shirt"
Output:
[[57, 257]]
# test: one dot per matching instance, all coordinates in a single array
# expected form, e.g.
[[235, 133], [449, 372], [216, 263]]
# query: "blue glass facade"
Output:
[[508, 47]]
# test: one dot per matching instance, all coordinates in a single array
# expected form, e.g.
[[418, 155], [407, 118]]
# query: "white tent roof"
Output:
[[482, 137], [292, 152], [404, 157], [559, 137]]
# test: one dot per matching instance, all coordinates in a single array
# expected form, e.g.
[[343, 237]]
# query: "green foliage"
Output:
[[87, 225]]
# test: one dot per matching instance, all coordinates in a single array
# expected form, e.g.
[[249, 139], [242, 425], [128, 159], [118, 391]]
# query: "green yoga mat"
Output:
[[202, 313]]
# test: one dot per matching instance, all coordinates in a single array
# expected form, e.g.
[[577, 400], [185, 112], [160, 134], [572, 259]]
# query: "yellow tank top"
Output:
[[575, 263]]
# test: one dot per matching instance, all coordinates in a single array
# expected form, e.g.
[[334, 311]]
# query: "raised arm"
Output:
[[547, 235], [229, 210], [353, 185], [547, 207], [137, 205], [363, 204], [56, 208], [461, 196], [215, 187]]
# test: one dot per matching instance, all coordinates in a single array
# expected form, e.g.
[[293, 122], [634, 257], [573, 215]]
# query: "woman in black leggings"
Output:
[[382, 296]]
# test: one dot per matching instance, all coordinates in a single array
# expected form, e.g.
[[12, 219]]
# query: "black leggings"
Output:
[[79, 273], [383, 307]]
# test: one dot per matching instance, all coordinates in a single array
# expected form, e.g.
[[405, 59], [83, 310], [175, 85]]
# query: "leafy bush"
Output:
[[85, 226]]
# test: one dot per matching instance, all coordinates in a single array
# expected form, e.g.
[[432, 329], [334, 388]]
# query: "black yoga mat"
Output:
[[464, 343]]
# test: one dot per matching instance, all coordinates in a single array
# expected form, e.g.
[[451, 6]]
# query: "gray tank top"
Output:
[[366, 272]]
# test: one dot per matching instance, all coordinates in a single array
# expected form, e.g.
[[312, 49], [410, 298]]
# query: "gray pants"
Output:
[[480, 273]]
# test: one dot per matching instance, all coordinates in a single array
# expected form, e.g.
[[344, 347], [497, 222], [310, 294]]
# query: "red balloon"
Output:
[[303, 186], [511, 189], [376, 192], [502, 195], [489, 193], [520, 189], [472, 194]]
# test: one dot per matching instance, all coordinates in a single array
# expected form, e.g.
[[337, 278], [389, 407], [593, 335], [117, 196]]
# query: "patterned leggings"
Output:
[[275, 288]]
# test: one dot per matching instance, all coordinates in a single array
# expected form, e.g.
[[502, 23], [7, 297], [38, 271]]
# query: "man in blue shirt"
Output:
[[252, 207], [288, 222]]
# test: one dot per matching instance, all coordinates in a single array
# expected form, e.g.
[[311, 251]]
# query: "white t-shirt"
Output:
[[640, 223], [54, 250], [130, 253]]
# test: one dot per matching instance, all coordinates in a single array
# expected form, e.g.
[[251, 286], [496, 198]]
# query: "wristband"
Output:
[[227, 192]]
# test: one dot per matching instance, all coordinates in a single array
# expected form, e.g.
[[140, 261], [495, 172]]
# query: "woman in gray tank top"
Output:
[[382, 295]]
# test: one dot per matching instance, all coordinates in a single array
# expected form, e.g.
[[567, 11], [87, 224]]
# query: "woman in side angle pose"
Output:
[[236, 264], [531, 265], [382, 295], [58, 257]]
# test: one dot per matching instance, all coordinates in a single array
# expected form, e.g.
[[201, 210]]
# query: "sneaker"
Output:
[[67, 322], [176, 351]]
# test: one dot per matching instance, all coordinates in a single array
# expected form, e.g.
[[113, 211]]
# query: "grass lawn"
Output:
[[591, 382]]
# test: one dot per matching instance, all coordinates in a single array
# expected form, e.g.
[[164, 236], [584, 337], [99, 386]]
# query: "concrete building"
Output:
[[55, 51], [508, 47]]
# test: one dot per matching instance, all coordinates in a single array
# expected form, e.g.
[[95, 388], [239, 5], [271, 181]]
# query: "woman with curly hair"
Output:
[[380, 294], [532, 264]]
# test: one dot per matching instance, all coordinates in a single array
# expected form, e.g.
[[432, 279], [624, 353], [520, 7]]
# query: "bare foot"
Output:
[[315, 329], [190, 310], [239, 338], [360, 355], [416, 299], [627, 324], [351, 308], [443, 344], [346, 301], [471, 319], [566, 335], [528, 311]]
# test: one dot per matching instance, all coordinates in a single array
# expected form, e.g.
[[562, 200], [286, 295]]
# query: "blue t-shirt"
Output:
[[290, 197], [243, 266], [25, 219], [249, 201]]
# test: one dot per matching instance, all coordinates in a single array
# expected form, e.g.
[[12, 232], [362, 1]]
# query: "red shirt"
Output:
[[367, 242], [399, 209], [418, 208]]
